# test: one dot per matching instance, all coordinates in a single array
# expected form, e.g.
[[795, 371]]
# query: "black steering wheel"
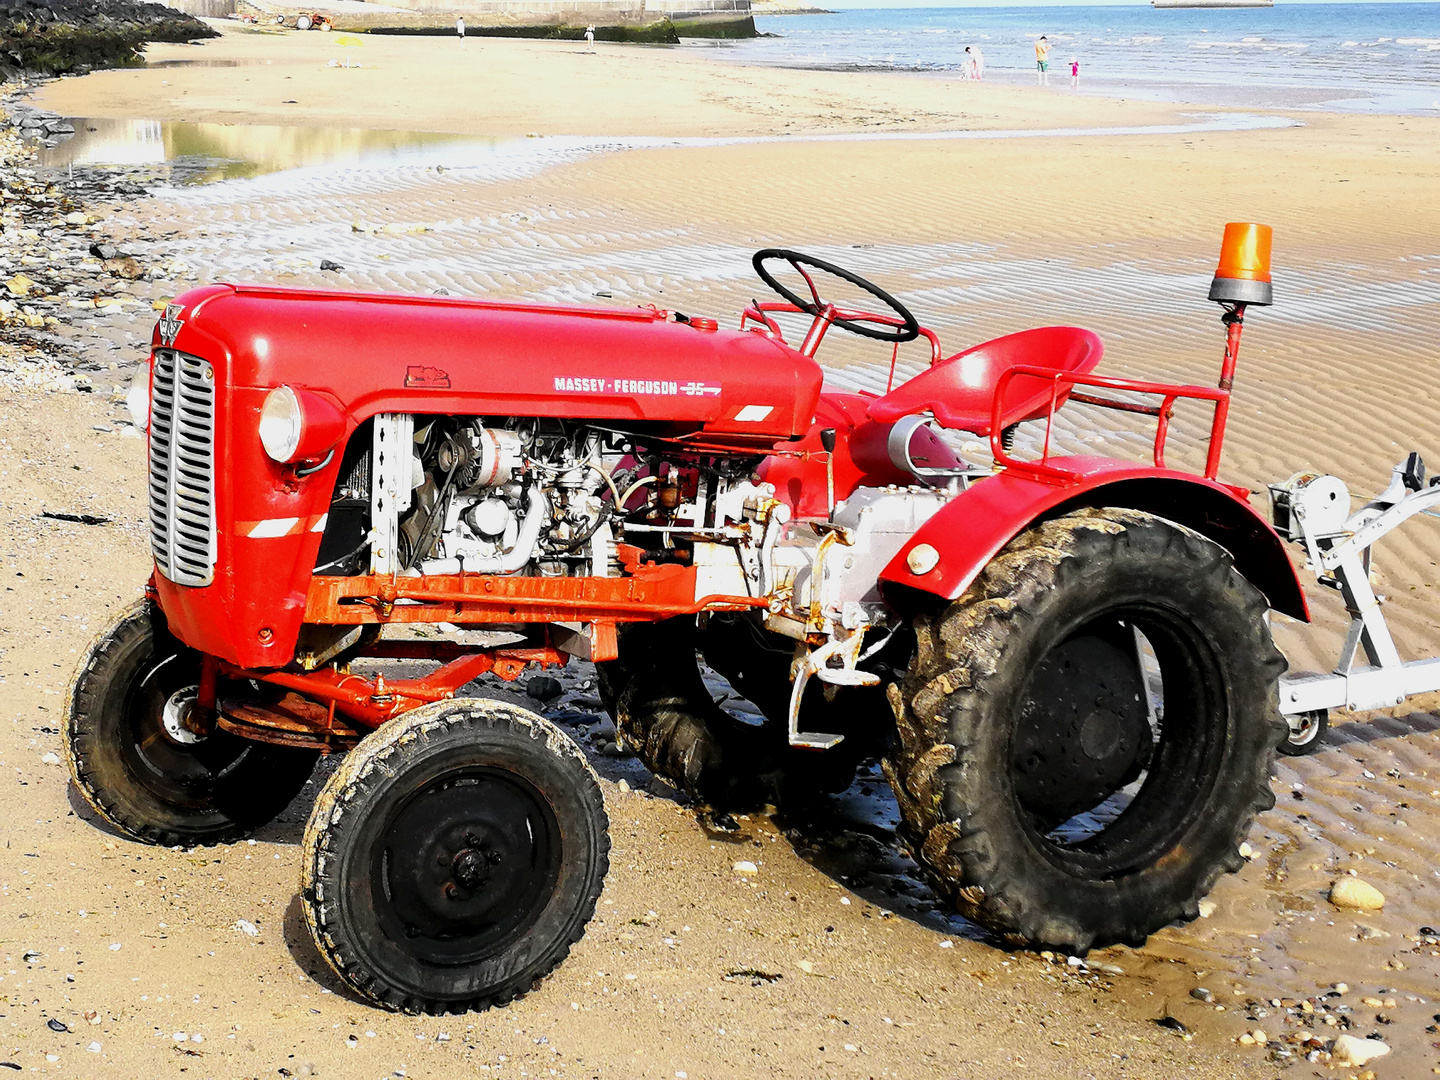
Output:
[[879, 327]]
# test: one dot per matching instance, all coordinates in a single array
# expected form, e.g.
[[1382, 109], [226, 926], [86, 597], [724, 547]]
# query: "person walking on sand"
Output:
[[460, 28], [1042, 61], [1074, 74], [590, 37]]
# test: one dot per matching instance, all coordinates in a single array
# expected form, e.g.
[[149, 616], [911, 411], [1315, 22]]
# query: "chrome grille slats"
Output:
[[182, 468]]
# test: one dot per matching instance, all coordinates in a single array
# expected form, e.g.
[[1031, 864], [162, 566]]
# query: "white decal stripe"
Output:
[[272, 527], [754, 412], [319, 525]]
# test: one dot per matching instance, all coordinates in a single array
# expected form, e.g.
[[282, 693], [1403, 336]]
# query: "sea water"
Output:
[[1378, 57]]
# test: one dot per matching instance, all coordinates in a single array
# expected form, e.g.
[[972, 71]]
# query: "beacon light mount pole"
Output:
[[1242, 278]]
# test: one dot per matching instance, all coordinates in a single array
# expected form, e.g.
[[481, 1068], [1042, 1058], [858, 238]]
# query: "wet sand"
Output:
[[981, 238]]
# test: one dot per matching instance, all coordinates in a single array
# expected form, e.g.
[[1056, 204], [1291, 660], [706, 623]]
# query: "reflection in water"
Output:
[[232, 151]]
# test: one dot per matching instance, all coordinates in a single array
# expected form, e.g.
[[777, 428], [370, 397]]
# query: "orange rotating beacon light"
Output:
[[1243, 276], [1241, 279]]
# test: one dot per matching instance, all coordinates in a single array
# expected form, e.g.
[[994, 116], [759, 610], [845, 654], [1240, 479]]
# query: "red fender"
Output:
[[971, 529]]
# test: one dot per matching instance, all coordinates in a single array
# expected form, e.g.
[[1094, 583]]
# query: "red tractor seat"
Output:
[[959, 391]]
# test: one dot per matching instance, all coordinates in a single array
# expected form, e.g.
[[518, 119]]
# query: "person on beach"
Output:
[[975, 66], [1042, 61], [590, 37], [460, 29], [1074, 74]]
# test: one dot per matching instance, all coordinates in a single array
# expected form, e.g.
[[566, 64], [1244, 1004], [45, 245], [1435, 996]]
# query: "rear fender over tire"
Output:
[[1151, 847]]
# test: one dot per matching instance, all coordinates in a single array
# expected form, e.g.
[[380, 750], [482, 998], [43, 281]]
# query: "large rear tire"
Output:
[[1038, 790], [454, 857], [141, 775]]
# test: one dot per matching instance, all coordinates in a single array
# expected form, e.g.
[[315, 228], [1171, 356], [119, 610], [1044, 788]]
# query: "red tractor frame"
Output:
[[1064, 662]]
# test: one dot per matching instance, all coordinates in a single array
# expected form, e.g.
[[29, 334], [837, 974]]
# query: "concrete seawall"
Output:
[[629, 20]]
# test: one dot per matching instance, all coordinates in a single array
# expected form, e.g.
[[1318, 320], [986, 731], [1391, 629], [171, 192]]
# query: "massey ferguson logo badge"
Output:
[[170, 323]]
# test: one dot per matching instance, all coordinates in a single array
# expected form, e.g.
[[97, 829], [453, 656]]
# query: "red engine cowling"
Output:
[[721, 391]]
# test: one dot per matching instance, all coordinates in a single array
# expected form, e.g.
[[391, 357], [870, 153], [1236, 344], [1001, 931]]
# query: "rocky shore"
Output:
[[74, 303], [58, 37]]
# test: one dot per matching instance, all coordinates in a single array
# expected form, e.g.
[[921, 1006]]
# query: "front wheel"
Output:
[[141, 770], [1085, 737], [454, 857]]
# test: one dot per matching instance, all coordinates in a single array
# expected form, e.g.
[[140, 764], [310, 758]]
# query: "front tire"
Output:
[[132, 769], [1042, 795], [454, 857]]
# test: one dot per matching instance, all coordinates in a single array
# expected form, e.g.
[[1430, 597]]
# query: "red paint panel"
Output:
[[972, 529]]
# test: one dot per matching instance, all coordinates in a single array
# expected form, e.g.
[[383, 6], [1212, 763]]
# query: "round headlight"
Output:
[[281, 424]]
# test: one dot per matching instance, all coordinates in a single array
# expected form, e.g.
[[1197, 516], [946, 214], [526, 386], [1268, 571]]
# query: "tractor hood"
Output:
[[375, 353]]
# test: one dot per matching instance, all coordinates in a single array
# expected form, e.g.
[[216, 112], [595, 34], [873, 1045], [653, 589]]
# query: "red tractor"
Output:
[[1063, 661]]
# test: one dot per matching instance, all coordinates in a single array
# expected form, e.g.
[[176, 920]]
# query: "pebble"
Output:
[[1207, 908], [1202, 994], [1352, 892], [1349, 1050], [246, 927], [50, 759], [745, 866]]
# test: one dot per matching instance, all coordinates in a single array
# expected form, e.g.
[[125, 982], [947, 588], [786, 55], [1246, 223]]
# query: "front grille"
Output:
[[182, 467]]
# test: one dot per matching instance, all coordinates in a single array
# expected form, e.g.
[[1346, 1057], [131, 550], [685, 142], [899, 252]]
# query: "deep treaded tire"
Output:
[[666, 715], [960, 767], [145, 784], [454, 857]]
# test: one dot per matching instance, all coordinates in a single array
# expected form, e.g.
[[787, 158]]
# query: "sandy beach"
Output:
[[1011, 207]]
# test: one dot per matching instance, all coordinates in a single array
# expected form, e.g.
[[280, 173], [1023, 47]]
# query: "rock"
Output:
[[1349, 1050], [326, 264], [75, 218], [105, 251], [50, 759], [246, 927], [19, 285], [1351, 892], [544, 688], [745, 866], [124, 266], [1202, 994]]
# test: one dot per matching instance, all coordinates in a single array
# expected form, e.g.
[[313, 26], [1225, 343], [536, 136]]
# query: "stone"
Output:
[[1348, 1050], [544, 688], [745, 866], [327, 264], [124, 266], [19, 285], [1202, 994], [105, 251], [1352, 892]]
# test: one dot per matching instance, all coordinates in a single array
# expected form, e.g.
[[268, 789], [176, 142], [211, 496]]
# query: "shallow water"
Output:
[[236, 151]]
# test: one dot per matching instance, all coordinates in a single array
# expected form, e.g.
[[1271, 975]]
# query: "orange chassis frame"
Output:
[[332, 708]]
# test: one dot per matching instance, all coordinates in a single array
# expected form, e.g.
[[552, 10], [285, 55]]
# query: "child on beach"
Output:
[[1042, 62], [1074, 74], [590, 36], [976, 67]]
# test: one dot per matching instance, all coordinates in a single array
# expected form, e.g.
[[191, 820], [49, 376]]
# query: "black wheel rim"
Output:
[[1143, 783], [180, 775], [464, 866]]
